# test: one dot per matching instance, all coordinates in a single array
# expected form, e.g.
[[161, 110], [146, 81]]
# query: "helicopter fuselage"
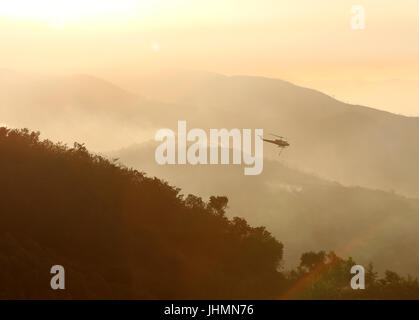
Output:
[[280, 143]]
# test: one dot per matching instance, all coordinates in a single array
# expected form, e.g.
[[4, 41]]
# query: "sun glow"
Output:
[[64, 10]]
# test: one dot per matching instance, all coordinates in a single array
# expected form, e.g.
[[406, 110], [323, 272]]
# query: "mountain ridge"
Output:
[[352, 144], [325, 213]]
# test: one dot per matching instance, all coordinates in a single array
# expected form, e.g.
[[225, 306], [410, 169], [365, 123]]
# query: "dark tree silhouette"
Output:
[[121, 234], [118, 233]]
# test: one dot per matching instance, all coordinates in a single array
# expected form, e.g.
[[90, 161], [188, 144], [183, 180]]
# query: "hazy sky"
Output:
[[307, 42]]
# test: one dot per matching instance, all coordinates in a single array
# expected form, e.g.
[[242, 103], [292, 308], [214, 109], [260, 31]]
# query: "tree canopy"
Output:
[[122, 234]]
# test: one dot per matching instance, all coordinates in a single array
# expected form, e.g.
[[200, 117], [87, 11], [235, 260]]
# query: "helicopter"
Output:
[[280, 142]]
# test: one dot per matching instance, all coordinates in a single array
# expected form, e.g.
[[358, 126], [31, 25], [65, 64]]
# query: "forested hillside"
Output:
[[118, 233], [121, 234], [366, 224]]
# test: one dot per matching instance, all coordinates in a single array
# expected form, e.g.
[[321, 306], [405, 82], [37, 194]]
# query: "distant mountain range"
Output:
[[77, 107], [304, 211], [351, 144], [360, 148]]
